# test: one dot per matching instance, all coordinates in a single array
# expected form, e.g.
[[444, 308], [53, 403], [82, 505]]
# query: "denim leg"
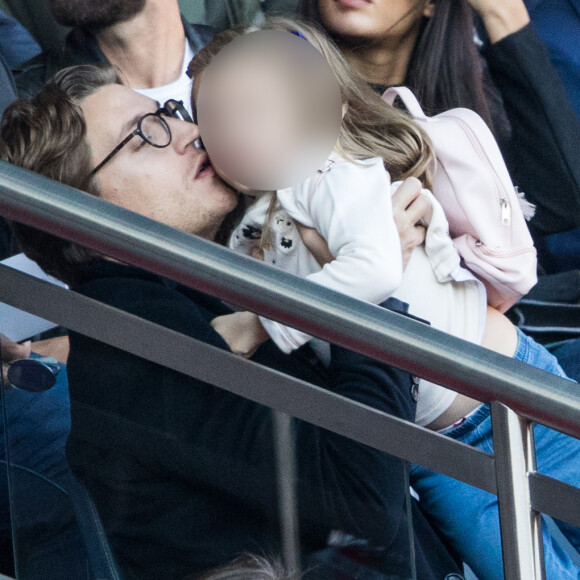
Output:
[[568, 354], [47, 539], [558, 456], [37, 427], [469, 517]]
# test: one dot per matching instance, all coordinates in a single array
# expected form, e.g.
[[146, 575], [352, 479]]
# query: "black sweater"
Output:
[[183, 473]]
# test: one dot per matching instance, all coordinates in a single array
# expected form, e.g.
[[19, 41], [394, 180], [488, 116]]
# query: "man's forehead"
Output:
[[115, 108]]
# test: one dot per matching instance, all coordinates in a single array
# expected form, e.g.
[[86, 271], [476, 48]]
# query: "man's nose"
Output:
[[183, 134]]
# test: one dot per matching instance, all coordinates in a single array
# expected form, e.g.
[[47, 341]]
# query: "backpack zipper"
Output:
[[506, 212], [503, 199]]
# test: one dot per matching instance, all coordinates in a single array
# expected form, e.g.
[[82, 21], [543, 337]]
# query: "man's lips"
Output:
[[353, 3], [204, 167]]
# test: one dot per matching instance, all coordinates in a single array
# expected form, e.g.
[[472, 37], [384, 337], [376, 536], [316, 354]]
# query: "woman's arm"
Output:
[[501, 18], [542, 154]]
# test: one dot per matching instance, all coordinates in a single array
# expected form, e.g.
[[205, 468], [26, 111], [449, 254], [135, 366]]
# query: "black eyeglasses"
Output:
[[152, 128]]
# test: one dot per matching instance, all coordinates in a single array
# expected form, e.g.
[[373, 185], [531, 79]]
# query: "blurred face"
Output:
[[94, 14], [372, 20], [269, 110], [175, 185]]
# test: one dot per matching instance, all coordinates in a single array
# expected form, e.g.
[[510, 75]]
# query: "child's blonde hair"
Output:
[[370, 127]]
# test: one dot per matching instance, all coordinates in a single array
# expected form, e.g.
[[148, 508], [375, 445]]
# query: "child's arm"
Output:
[[351, 209], [315, 244], [242, 331], [412, 213]]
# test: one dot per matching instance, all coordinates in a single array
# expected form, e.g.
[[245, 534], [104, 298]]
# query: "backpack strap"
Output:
[[409, 100], [327, 166]]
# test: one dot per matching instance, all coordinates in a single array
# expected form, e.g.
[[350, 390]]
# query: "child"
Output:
[[347, 203]]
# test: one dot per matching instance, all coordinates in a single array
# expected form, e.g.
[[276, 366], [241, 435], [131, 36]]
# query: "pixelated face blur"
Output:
[[175, 185], [91, 14], [373, 20], [269, 110]]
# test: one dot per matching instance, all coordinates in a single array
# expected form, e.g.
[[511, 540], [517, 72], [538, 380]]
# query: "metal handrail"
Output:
[[518, 393], [466, 368]]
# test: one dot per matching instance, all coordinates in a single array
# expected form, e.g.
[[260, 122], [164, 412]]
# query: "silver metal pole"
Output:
[[521, 529], [376, 332], [287, 499]]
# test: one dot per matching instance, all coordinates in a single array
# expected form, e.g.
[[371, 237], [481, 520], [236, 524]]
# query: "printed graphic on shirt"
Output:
[[251, 232]]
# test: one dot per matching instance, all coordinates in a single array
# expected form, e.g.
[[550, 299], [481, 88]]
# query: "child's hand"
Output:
[[242, 331], [315, 243]]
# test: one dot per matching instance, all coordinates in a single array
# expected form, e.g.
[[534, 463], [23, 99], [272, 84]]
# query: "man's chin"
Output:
[[92, 15]]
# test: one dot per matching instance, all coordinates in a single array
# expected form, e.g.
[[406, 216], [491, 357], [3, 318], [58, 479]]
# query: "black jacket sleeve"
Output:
[[543, 154], [181, 453]]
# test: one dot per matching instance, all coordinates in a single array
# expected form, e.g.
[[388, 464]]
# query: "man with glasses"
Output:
[[183, 473]]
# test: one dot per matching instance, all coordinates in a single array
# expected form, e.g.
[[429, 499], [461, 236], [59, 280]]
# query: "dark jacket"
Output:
[[536, 128], [558, 24], [543, 154], [81, 47], [16, 43], [183, 473]]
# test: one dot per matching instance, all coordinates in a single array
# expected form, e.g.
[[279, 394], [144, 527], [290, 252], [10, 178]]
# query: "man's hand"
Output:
[[242, 331], [12, 351], [57, 347], [412, 212], [501, 18]]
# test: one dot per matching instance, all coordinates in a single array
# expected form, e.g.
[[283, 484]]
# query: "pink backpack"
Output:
[[472, 183]]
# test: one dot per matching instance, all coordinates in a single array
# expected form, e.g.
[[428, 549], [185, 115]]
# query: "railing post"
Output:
[[521, 529], [287, 500]]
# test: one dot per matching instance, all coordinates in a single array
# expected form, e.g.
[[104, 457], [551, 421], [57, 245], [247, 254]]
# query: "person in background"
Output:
[[429, 46], [16, 44], [147, 40], [558, 24]]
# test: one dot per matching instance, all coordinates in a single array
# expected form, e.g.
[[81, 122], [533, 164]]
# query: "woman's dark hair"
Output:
[[445, 70]]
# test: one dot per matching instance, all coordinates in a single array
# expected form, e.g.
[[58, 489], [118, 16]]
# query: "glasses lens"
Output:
[[155, 131], [31, 375]]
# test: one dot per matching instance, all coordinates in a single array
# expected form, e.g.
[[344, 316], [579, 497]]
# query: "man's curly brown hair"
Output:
[[47, 135]]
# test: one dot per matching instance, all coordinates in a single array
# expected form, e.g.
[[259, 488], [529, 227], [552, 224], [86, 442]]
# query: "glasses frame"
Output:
[[171, 108]]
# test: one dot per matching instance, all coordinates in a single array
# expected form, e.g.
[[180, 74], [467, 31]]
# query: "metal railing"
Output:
[[518, 393]]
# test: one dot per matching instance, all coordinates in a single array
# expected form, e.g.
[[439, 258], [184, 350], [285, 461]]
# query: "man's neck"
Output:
[[384, 63], [149, 48]]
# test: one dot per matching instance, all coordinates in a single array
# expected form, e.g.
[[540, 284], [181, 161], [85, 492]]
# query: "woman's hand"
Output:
[[412, 212], [501, 17], [242, 331]]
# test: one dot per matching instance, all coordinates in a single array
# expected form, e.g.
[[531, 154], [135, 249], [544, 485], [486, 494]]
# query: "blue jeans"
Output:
[[46, 536], [469, 517], [568, 354]]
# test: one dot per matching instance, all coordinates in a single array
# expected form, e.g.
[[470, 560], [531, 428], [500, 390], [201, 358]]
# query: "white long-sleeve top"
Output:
[[349, 204]]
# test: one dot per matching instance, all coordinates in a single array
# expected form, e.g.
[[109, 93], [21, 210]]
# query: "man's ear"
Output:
[[429, 9], [344, 109]]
